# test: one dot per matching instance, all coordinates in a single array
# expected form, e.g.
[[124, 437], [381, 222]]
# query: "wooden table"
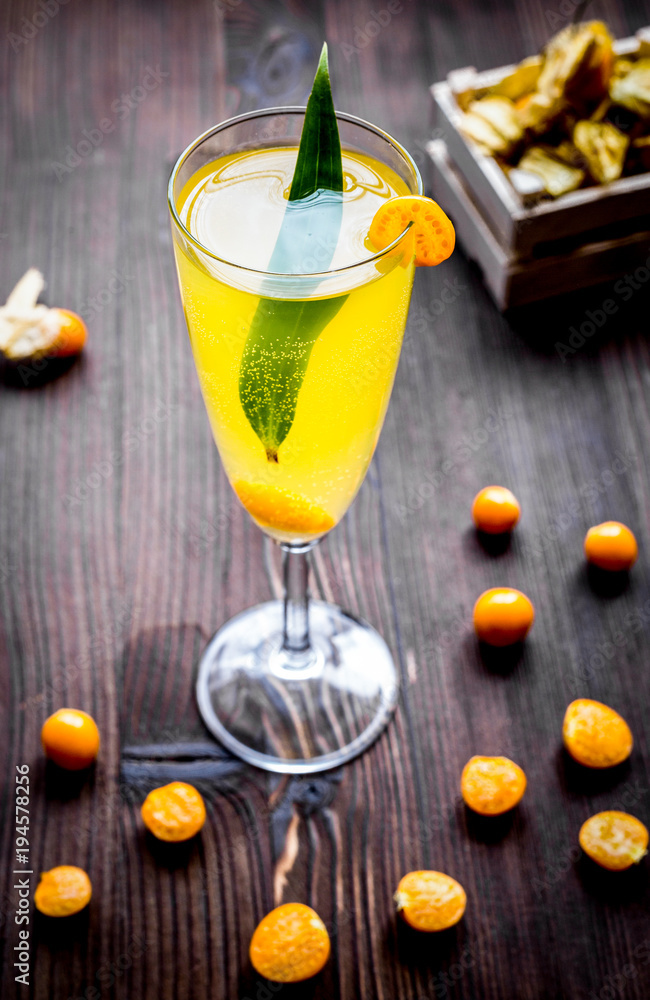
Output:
[[123, 548]]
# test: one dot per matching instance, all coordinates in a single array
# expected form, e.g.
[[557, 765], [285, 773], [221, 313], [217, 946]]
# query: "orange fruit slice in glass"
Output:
[[273, 507], [432, 234]]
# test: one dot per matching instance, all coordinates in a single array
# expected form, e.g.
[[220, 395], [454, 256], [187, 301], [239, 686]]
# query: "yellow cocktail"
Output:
[[234, 206], [296, 325]]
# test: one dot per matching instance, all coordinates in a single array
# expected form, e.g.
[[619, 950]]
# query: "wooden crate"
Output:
[[614, 211], [511, 279]]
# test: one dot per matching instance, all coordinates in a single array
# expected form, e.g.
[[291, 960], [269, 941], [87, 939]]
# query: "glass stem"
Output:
[[295, 567]]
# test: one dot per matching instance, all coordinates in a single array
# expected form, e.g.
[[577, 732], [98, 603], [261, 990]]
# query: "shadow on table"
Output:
[[64, 786], [502, 660], [36, 373], [604, 583], [491, 829], [170, 855], [573, 325], [60, 933], [430, 955], [491, 545], [252, 986], [587, 782], [617, 888]]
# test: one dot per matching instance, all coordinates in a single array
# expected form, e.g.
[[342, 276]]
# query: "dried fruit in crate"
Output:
[[631, 89], [494, 122], [603, 147], [573, 117], [484, 134], [520, 82], [576, 67], [557, 176], [578, 64]]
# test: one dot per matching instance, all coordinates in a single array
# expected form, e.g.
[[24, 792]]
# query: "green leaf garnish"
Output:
[[283, 331], [319, 163]]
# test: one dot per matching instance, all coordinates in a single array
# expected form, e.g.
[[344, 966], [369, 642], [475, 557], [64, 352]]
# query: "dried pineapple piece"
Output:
[[500, 113], [578, 62], [604, 149], [529, 187], [641, 147], [520, 82], [621, 67], [557, 177], [568, 153], [632, 90], [539, 110], [576, 69], [485, 135], [643, 35]]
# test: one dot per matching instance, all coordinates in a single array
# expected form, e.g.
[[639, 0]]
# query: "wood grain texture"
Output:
[[123, 549]]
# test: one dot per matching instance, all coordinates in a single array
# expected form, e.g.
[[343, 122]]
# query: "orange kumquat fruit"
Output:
[[273, 507], [63, 891], [70, 738], [430, 901], [174, 812], [595, 735], [72, 334], [611, 545], [495, 510], [614, 840], [290, 944], [503, 616], [492, 785], [431, 232]]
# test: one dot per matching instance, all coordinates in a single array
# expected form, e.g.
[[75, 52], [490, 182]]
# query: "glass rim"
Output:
[[267, 112]]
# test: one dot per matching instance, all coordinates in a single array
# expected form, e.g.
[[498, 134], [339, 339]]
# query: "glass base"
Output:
[[296, 713]]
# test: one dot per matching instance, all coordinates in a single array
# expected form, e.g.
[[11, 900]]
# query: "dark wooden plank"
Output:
[[122, 548]]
